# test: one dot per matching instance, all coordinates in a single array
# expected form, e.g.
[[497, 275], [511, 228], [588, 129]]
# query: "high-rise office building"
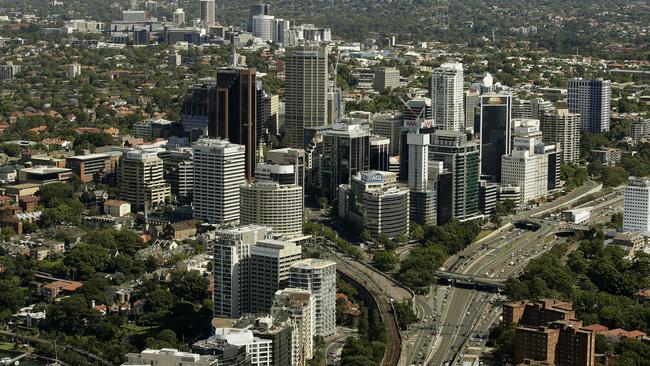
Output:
[[231, 266], [270, 204], [346, 152], [218, 173], [179, 172], [265, 27], [141, 181], [319, 277], [288, 156], [636, 205], [306, 80], [207, 13], [235, 116], [379, 153], [447, 97], [471, 100], [196, 109], [269, 271], [388, 126], [495, 130], [562, 128], [528, 171], [591, 99], [298, 305], [418, 164], [460, 158]]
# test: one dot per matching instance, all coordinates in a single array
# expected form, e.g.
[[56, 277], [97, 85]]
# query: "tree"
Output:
[[189, 286], [385, 260], [365, 235]]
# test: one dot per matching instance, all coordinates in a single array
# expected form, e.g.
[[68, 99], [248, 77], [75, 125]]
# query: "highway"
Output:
[[452, 318]]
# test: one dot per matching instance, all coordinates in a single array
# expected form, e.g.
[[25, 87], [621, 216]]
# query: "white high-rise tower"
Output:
[[447, 97]]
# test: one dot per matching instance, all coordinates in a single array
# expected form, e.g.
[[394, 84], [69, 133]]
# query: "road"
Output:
[[461, 317], [334, 345]]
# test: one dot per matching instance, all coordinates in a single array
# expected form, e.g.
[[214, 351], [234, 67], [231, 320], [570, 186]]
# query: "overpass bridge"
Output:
[[465, 280]]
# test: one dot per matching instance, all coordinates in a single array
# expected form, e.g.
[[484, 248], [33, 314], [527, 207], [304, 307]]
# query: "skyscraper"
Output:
[[447, 97], [562, 128], [218, 173], [306, 70], [636, 205], [460, 157], [592, 99], [141, 180], [270, 204], [232, 251], [235, 117], [496, 127], [319, 277], [346, 152], [207, 13], [298, 304], [269, 271]]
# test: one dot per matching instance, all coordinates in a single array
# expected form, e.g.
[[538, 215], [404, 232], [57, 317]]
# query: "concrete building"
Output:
[[169, 357], [141, 181], [562, 129], [298, 305], [460, 158], [386, 211], [219, 170], [179, 172], [117, 208], [73, 70], [306, 70], [269, 271], [179, 18], [591, 99], [471, 101], [388, 126], [531, 108], [346, 152], [282, 174], [386, 78], [292, 157], [270, 114], [487, 196], [495, 129], [265, 27], [207, 13], [91, 167], [274, 205], [528, 171], [260, 350], [447, 97], [607, 155], [636, 205], [231, 252], [640, 129], [319, 277]]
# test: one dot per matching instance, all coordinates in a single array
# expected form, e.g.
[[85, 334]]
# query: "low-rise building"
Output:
[[169, 357], [117, 208]]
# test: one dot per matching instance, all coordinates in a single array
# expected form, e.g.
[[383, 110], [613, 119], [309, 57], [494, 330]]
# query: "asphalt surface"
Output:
[[453, 319]]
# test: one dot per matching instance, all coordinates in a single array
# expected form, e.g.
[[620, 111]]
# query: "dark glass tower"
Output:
[[235, 112], [495, 130]]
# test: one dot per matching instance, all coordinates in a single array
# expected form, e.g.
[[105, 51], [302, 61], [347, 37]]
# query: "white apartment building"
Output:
[[636, 205], [319, 277], [447, 97], [231, 252], [562, 128], [418, 162], [218, 172], [270, 204]]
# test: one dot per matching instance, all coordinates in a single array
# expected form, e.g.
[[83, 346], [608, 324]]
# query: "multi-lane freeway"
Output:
[[452, 318]]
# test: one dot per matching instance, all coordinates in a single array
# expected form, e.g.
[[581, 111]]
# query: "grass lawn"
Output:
[[6, 346], [137, 329]]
